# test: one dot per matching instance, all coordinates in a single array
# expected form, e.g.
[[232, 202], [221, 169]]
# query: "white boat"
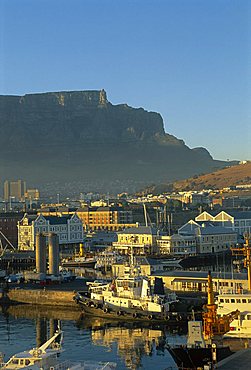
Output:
[[229, 300], [129, 297], [43, 357], [106, 259], [238, 299]]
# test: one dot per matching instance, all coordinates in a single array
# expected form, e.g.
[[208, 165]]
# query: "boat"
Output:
[[232, 299], [46, 356], [106, 259], [204, 346], [43, 357], [197, 354], [131, 297], [79, 262]]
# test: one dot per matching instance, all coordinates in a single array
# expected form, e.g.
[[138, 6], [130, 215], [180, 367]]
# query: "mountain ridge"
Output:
[[67, 134]]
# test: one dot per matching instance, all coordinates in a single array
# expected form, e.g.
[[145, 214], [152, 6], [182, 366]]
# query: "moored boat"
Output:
[[131, 297], [230, 299], [43, 357]]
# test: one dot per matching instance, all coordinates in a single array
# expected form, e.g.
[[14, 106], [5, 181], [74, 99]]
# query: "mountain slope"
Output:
[[223, 178], [81, 136]]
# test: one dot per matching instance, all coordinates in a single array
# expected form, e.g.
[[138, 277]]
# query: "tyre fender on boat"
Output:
[[135, 315], [168, 317], [119, 313], [106, 310], [95, 305], [150, 317], [178, 318]]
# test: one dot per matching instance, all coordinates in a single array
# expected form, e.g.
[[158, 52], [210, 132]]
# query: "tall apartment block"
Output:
[[15, 189]]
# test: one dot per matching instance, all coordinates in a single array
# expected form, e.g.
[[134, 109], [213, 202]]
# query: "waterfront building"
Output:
[[197, 281], [69, 229], [209, 238], [177, 245], [239, 221], [105, 218], [140, 239], [14, 189], [145, 265]]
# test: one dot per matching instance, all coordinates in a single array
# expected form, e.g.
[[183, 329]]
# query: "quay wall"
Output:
[[43, 297]]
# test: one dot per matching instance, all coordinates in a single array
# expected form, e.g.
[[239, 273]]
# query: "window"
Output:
[[232, 300], [227, 300], [244, 301]]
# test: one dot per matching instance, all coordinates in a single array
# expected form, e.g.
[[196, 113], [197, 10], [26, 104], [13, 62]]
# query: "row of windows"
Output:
[[233, 300]]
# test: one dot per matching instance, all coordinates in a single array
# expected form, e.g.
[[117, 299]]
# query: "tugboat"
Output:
[[204, 347], [131, 298]]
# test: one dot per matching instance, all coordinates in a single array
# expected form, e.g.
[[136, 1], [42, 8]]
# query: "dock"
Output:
[[51, 295], [238, 361]]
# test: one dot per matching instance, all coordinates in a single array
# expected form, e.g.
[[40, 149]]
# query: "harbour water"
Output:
[[129, 345]]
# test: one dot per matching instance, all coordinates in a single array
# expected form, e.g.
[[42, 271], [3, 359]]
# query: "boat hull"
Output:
[[87, 264], [131, 314], [193, 358]]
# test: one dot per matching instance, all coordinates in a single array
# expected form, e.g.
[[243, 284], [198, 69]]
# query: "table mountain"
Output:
[[81, 136]]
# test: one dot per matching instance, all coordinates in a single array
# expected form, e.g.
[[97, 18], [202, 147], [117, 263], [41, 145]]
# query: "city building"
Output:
[[209, 238], [240, 221], [197, 280], [32, 194], [8, 226], [105, 218], [14, 189], [177, 245], [141, 239], [69, 229]]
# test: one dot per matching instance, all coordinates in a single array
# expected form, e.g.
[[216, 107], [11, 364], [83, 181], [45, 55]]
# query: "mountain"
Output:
[[79, 137], [224, 178]]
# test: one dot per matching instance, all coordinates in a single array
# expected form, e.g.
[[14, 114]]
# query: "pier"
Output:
[[238, 361]]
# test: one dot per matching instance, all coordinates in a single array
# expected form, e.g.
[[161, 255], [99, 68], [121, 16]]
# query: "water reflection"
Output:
[[126, 343], [133, 340]]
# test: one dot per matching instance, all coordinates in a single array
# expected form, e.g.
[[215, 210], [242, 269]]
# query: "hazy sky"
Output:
[[187, 59]]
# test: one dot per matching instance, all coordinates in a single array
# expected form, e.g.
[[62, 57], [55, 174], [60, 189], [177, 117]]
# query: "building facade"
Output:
[[239, 221], [209, 238], [141, 239], [14, 189], [8, 226], [177, 245], [105, 218], [69, 229]]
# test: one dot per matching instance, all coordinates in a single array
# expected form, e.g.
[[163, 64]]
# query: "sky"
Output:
[[189, 60]]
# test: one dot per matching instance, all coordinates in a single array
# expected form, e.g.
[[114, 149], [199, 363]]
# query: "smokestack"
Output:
[[40, 253], [53, 254]]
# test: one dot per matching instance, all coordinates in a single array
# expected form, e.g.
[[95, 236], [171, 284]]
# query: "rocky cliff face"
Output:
[[80, 134]]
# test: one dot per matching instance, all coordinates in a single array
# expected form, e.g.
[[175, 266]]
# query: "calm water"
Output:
[[130, 346]]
